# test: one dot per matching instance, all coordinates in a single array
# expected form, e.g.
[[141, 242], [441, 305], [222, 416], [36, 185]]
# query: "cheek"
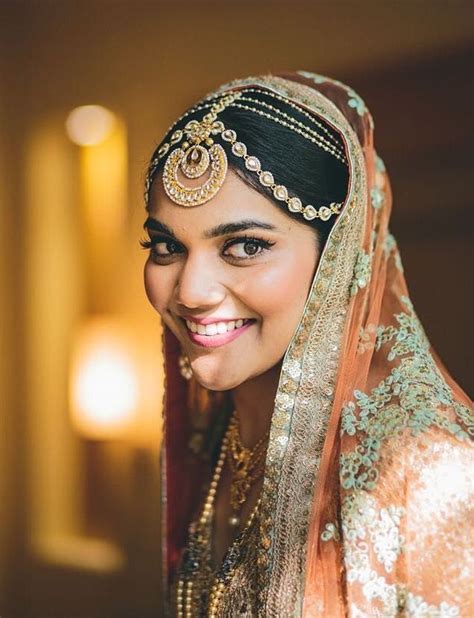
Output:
[[282, 288], [158, 286]]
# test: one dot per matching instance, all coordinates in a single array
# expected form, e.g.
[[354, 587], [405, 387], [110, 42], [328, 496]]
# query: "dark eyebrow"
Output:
[[218, 230], [157, 226], [238, 226]]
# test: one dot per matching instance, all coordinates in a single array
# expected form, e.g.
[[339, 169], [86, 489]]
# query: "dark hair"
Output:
[[314, 175]]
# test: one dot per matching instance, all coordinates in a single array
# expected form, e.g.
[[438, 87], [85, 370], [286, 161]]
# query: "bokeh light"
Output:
[[89, 125], [105, 391]]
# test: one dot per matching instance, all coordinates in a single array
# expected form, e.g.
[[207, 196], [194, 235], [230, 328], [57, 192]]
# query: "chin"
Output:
[[217, 379], [219, 385]]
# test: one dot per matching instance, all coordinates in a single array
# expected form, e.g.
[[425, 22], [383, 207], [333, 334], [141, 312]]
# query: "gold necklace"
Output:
[[246, 466], [188, 598]]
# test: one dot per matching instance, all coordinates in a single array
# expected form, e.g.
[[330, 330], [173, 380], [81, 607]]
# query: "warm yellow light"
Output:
[[89, 125], [104, 382], [115, 385], [106, 388]]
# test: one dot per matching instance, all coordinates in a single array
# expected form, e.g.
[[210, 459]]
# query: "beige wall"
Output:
[[147, 61]]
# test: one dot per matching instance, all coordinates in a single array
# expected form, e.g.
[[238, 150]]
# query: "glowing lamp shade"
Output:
[[89, 125], [109, 394]]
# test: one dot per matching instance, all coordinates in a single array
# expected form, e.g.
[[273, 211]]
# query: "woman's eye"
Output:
[[161, 247], [246, 248], [236, 249]]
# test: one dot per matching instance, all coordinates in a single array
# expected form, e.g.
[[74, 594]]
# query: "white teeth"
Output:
[[221, 328], [217, 328], [211, 329]]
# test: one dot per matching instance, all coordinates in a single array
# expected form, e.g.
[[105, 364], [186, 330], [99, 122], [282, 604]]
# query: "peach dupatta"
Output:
[[367, 488]]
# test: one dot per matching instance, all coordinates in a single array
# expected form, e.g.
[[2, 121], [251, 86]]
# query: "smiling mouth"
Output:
[[216, 328], [218, 333]]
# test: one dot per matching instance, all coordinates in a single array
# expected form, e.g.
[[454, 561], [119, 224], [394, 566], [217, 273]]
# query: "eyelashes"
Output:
[[259, 246], [149, 244]]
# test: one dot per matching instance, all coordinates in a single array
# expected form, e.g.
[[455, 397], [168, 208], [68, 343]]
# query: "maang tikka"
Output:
[[199, 155]]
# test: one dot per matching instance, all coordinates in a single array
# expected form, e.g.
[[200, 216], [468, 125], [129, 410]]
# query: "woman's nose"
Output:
[[198, 285]]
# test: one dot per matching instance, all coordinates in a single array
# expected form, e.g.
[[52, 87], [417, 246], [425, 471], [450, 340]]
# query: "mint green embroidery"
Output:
[[355, 101], [317, 79], [465, 416], [390, 246], [409, 398], [379, 164], [366, 338], [362, 271], [348, 419], [330, 532], [377, 198]]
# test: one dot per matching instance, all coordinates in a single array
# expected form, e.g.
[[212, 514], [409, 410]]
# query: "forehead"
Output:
[[235, 200]]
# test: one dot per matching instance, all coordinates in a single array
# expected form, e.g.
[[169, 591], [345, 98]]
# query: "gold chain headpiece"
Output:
[[199, 155]]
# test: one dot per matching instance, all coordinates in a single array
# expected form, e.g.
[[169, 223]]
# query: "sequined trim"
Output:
[[362, 271], [306, 382]]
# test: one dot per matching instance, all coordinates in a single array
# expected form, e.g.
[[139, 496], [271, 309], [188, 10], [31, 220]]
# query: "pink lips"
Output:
[[213, 341]]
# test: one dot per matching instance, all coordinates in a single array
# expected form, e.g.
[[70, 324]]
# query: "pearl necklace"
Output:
[[200, 535]]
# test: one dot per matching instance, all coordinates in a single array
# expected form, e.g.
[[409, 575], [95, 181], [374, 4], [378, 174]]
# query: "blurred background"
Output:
[[86, 90]]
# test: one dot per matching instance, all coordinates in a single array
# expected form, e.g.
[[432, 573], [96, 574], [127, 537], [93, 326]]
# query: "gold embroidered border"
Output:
[[304, 398]]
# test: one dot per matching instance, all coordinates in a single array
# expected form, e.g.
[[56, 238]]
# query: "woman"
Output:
[[316, 453]]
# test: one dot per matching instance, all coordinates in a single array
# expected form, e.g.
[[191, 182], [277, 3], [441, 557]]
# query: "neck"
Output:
[[254, 401]]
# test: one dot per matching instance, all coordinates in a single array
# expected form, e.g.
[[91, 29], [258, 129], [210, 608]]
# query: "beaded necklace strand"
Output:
[[193, 569]]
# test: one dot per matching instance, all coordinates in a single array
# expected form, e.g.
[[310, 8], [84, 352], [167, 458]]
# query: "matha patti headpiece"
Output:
[[200, 156]]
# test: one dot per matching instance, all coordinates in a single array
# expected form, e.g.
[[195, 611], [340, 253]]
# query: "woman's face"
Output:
[[229, 278]]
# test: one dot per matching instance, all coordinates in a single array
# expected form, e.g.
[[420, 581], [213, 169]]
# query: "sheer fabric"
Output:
[[367, 488]]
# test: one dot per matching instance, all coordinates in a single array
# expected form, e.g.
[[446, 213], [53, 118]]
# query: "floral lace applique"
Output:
[[367, 338], [390, 246], [363, 521], [356, 102], [380, 181], [377, 198], [362, 270], [330, 532], [385, 535], [408, 398], [465, 416], [358, 511], [411, 398], [379, 164]]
